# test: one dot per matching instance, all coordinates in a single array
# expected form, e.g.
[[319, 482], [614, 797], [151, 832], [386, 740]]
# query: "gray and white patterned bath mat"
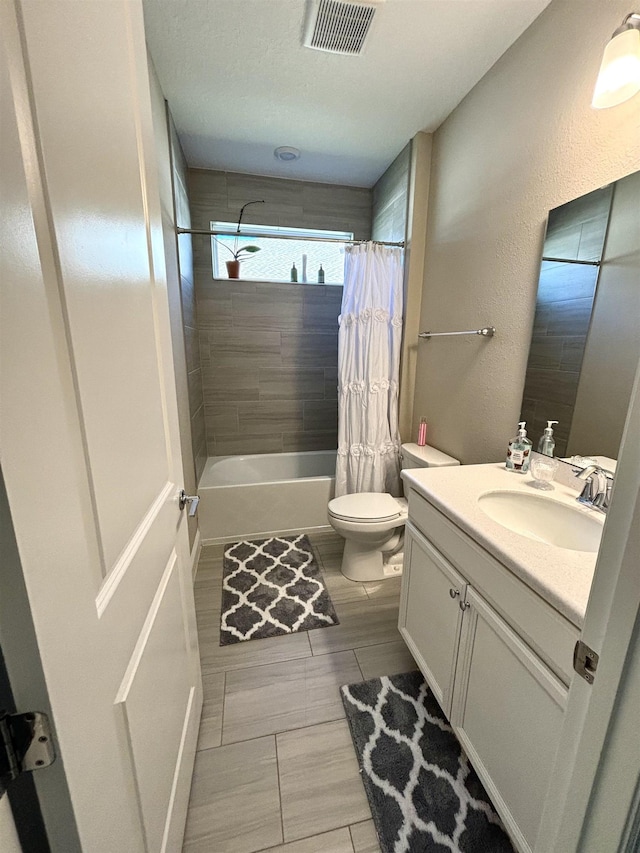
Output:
[[424, 794], [270, 587]]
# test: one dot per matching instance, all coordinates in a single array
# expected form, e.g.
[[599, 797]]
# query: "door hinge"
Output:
[[25, 744], [585, 661]]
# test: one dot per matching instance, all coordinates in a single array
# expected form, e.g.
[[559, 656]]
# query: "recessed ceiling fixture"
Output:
[[619, 77], [339, 27], [287, 153]]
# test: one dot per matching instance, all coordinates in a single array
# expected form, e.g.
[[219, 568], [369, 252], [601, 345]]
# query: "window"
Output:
[[277, 255]]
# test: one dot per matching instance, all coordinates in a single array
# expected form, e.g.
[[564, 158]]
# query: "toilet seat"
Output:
[[365, 507]]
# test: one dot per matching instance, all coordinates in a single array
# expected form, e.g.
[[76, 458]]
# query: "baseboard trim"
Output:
[[223, 540]]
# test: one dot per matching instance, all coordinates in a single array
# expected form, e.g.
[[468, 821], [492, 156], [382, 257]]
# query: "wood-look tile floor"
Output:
[[276, 771]]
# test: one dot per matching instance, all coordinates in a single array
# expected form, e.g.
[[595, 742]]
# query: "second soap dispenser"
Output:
[[547, 443]]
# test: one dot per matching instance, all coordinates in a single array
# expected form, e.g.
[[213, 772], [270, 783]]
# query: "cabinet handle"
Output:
[[454, 592], [464, 605]]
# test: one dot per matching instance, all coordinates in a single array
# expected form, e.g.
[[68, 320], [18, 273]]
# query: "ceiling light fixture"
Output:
[[619, 77], [287, 153]]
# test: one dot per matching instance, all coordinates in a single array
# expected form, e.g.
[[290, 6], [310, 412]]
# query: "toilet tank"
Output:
[[414, 456]]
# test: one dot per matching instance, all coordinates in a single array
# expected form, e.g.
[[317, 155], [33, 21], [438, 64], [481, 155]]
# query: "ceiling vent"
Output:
[[338, 27]]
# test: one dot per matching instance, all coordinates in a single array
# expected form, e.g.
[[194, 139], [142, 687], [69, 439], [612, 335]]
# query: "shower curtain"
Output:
[[368, 371]]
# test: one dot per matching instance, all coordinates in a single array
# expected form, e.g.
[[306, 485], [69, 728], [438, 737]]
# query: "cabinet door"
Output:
[[507, 712], [430, 615]]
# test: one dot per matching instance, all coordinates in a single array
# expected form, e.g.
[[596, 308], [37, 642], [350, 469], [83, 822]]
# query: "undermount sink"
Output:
[[544, 519]]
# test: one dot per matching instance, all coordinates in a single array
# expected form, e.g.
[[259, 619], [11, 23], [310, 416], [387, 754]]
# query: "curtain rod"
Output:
[[486, 332], [283, 237], [571, 261]]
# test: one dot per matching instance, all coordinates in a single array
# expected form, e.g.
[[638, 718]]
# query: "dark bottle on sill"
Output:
[[320, 275], [294, 273]]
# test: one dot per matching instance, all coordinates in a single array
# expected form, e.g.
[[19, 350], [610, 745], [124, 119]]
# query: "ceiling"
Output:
[[239, 82]]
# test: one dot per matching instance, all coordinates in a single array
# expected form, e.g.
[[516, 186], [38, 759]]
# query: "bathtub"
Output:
[[244, 497]]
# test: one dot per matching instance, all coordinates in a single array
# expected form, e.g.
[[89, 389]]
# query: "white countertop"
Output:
[[562, 577]]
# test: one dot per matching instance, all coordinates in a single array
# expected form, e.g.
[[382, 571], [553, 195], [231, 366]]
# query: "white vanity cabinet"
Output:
[[496, 656], [507, 715], [431, 618]]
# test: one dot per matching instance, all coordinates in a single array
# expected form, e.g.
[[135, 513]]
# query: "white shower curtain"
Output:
[[368, 371]]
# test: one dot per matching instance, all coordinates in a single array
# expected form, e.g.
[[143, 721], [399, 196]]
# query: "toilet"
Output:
[[372, 523]]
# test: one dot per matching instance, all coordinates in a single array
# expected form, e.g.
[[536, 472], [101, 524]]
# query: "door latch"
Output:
[[25, 744], [192, 500], [585, 661]]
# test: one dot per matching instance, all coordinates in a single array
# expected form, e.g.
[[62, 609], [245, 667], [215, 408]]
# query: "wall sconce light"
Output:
[[619, 77]]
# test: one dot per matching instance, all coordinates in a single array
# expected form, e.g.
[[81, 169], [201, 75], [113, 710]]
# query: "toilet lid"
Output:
[[365, 506]]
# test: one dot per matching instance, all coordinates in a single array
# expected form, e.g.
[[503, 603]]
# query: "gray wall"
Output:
[[297, 204], [525, 140], [613, 345], [269, 351], [270, 366], [390, 200], [189, 307]]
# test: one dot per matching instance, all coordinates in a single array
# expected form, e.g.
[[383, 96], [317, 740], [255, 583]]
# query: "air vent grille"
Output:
[[339, 27]]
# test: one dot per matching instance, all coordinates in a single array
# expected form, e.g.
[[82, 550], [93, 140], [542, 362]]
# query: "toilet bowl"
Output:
[[372, 523]]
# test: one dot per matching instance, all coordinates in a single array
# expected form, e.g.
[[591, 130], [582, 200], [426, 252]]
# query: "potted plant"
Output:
[[233, 266]]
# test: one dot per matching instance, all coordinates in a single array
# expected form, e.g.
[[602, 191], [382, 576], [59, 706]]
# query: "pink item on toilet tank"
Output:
[[422, 432]]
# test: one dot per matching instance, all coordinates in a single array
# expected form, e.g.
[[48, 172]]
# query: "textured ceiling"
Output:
[[239, 83]]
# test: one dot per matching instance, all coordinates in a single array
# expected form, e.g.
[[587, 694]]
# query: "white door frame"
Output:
[[9, 842], [594, 798]]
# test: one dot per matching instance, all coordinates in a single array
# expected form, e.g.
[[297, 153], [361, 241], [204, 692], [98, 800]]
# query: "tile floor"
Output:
[[275, 769]]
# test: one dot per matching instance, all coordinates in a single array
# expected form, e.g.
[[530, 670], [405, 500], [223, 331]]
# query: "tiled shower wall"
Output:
[[269, 355], [390, 199], [188, 298], [269, 351]]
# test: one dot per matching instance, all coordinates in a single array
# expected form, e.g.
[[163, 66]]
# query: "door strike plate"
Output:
[[585, 661]]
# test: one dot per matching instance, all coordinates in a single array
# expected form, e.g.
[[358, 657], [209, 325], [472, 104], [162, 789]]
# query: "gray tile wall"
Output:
[[390, 199], [269, 352], [297, 204], [269, 355], [189, 312]]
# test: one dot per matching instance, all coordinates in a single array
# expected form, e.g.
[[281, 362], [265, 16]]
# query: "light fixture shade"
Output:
[[287, 153], [619, 77]]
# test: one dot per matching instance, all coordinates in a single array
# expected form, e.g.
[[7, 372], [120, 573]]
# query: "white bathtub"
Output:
[[243, 497]]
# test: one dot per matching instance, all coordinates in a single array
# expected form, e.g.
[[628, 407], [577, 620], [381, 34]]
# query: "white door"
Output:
[[89, 430], [592, 803]]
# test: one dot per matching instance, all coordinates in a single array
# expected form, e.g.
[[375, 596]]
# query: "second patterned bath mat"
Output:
[[270, 587], [424, 795]]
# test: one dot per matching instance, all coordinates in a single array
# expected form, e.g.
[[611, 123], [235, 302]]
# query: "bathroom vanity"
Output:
[[492, 616]]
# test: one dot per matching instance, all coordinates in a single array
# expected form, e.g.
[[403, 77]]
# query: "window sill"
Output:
[[271, 281]]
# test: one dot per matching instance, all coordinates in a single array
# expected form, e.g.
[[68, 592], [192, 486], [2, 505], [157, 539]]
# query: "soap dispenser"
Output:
[[547, 442], [519, 451]]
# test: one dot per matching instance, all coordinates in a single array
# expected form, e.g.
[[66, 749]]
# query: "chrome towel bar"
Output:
[[486, 332]]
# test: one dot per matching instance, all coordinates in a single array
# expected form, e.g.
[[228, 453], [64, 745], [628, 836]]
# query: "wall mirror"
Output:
[[585, 345]]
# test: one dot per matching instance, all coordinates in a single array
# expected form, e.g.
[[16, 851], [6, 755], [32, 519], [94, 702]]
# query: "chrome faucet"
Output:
[[596, 492]]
